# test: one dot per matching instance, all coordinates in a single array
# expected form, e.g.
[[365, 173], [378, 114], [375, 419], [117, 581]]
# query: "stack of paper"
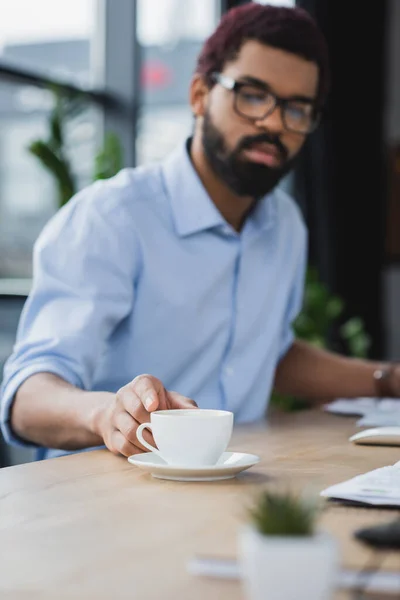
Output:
[[380, 487], [374, 412], [380, 418], [352, 406]]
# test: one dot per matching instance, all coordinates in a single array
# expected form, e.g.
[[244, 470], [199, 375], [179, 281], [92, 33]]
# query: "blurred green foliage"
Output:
[[52, 152], [321, 312]]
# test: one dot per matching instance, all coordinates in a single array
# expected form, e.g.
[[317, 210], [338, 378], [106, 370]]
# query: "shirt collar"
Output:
[[263, 215], [192, 208]]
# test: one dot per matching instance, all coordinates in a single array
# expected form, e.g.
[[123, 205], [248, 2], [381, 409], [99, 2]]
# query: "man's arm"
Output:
[[85, 264], [309, 372], [53, 413]]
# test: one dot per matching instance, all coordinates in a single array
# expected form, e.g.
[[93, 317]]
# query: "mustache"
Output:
[[249, 141]]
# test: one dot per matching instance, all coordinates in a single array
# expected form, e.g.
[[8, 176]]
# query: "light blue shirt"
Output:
[[141, 274]]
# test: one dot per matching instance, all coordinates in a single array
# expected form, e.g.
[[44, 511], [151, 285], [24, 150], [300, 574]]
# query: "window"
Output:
[[46, 39], [165, 22], [277, 2], [89, 44], [170, 34]]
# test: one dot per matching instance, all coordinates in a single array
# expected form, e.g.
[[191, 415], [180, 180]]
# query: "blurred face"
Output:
[[245, 147]]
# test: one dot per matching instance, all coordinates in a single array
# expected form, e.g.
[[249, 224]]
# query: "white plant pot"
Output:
[[287, 567]]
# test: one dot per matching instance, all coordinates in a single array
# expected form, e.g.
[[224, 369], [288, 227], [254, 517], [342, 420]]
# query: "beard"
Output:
[[243, 177]]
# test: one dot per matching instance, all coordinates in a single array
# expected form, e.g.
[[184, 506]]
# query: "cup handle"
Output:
[[139, 435]]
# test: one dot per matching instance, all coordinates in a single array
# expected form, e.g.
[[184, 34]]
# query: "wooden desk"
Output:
[[93, 526]]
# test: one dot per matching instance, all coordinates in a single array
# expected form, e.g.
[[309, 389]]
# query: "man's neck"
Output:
[[233, 208]]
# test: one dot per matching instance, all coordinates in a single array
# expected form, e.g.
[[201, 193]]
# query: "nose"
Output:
[[273, 122]]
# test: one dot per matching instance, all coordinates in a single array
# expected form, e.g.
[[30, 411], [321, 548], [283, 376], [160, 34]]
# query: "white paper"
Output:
[[380, 487], [363, 406], [351, 406], [380, 418]]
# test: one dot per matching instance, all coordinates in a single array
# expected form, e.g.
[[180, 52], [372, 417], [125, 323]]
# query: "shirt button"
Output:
[[229, 371]]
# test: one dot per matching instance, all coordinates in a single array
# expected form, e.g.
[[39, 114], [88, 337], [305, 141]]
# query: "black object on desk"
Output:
[[381, 537]]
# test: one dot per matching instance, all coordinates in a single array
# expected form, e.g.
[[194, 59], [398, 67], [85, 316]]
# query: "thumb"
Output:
[[176, 400]]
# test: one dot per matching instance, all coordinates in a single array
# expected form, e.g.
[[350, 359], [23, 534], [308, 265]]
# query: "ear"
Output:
[[198, 95]]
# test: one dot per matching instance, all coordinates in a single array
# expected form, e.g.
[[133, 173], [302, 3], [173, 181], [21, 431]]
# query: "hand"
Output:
[[132, 406]]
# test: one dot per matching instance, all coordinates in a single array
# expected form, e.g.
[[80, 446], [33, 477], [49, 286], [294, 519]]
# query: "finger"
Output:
[[151, 392], [120, 445], [176, 400], [133, 405], [128, 427]]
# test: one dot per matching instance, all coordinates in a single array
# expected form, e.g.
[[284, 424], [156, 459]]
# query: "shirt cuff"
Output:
[[11, 388]]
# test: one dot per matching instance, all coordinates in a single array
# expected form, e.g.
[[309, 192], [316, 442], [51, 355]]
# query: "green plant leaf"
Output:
[[283, 514], [288, 403], [56, 134], [108, 161], [57, 166], [359, 346], [334, 307], [352, 327]]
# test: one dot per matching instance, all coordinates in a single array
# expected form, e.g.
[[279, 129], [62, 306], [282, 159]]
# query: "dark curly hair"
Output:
[[288, 28]]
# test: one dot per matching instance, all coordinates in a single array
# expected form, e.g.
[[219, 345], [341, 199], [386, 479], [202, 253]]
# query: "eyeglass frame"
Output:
[[231, 84]]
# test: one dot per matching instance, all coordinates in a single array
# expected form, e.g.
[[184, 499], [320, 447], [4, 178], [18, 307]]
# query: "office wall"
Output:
[[393, 73], [392, 269]]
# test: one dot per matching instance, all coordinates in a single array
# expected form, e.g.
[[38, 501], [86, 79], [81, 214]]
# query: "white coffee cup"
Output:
[[189, 437]]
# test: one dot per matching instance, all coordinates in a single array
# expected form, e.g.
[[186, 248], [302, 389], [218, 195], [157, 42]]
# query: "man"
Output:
[[186, 275]]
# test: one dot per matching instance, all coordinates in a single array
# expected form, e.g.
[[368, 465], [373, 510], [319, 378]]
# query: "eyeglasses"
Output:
[[256, 102]]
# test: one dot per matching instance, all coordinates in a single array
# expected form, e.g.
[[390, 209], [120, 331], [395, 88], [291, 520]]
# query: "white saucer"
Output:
[[228, 466]]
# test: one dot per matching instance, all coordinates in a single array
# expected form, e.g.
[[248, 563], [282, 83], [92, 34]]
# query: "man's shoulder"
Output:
[[129, 188], [117, 204]]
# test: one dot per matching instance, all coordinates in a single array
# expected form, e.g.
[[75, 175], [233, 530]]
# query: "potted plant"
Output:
[[282, 555]]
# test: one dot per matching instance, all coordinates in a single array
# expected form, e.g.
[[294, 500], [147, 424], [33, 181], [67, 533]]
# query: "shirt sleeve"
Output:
[[296, 297], [84, 266]]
